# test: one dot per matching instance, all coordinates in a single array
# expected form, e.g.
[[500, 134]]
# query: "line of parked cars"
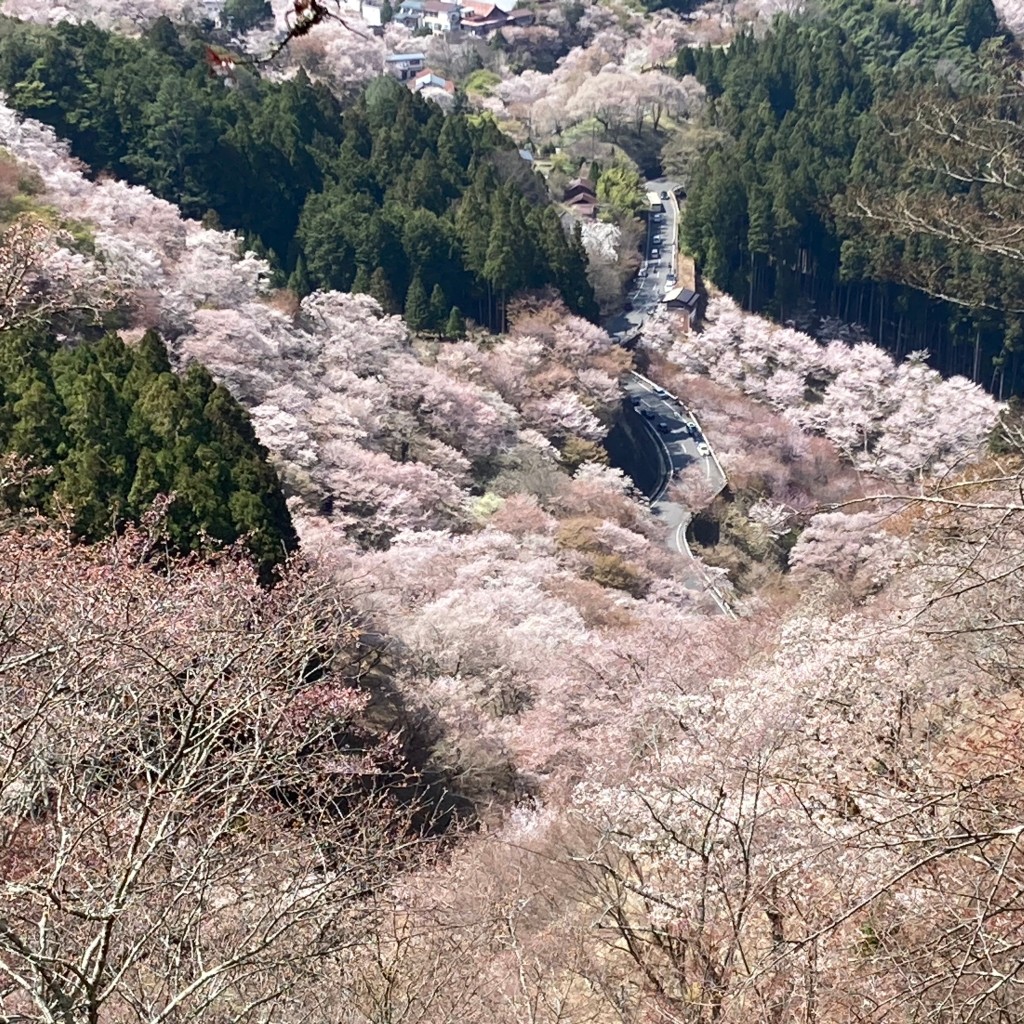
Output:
[[687, 427]]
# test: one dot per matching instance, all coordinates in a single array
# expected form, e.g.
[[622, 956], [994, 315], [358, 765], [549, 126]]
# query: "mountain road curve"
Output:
[[672, 430]]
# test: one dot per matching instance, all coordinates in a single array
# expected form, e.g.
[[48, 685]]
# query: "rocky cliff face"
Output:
[[632, 449]]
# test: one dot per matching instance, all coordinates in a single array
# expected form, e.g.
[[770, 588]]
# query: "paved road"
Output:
[[676, 432], [650, 285], [677, 435], [663, 238]]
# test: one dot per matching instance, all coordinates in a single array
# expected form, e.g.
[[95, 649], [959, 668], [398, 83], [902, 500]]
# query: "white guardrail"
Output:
[[709, 583], [692, 416]]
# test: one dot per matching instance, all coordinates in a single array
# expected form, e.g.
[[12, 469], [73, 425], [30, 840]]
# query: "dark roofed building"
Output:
[[685, 301], [579, 187]]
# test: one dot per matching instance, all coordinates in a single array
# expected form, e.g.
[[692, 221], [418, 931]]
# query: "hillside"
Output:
[[839, 184], [482, 747], [391, 199]]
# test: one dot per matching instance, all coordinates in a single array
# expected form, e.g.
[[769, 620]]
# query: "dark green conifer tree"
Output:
[[439, 308], [380, 289], [417, 308], [456, 325]]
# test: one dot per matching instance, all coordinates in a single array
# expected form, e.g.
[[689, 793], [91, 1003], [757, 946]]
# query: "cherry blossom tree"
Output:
[[854, 548], [43, 281], [189, 821], [338, 56], [895, 419], [129, 17]]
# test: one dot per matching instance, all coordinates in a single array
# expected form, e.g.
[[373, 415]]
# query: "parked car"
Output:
[[703, 449], [664, 195], [642, 273], [655, 254], [664, 426], [671, 279], [649, 413], [636, 401]]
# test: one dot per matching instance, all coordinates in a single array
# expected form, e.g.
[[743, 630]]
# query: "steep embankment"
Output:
[[632, 449]]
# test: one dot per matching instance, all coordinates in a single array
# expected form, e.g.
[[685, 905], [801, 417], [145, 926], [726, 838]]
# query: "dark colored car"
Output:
[[636, 401], [664, 195], [664, 426], [649, 413]]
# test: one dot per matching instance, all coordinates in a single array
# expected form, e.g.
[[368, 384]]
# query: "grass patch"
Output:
[[482, 82], [20, 188]]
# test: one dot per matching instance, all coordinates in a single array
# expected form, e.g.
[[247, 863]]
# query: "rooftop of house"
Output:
[[405, 58], [580, 198], [682, 296], [496, 18], [428, 78], [580, 184], [439, 7], [478, 8], [523, 14]]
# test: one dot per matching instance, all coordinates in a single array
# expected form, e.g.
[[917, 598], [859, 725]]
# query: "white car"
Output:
[[703, 449]]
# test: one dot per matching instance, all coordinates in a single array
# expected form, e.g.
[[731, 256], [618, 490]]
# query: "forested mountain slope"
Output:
[[814, 118], [213, 794], [389, 196], [111, 429]]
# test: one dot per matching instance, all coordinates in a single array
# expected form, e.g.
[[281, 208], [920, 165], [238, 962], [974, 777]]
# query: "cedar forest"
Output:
[[810, 121], [346, 673]]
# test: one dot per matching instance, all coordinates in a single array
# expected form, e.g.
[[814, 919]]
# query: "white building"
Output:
[[441, 16], [404, 66]]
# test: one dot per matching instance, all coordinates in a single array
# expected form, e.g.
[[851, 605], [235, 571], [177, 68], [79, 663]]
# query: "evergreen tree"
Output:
[[163, 37], [380, 289], [361, 282], [501, 269], [242, 15], [456, 324], [298, 280], [417, 308], [439, 308], [116, 428], [37, 434]]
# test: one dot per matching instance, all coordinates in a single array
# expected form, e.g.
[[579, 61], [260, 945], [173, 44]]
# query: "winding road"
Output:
[[673, 429]]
